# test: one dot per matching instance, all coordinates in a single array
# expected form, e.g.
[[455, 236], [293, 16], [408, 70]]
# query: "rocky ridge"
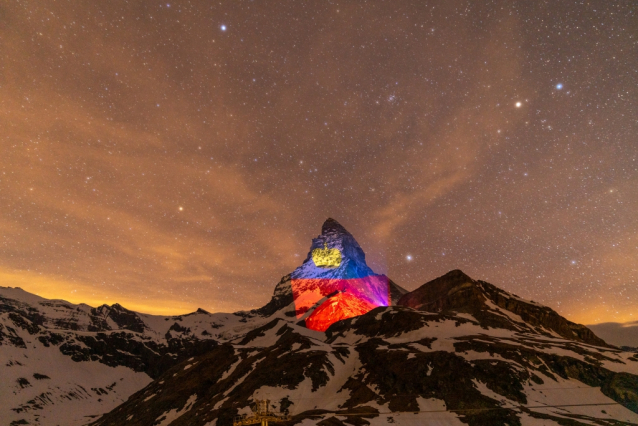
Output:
[[457, 292]]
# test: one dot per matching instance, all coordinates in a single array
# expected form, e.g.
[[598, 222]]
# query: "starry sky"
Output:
[[169, 156]]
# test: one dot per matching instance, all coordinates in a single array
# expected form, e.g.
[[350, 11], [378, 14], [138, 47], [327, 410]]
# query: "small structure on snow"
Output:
[[261, 415]]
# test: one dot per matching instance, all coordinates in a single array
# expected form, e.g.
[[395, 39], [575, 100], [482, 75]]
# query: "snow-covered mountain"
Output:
[[455, 351], [65, 364], [478, 363]]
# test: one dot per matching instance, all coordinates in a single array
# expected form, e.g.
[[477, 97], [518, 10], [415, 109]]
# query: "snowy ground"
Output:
[[43, 386]]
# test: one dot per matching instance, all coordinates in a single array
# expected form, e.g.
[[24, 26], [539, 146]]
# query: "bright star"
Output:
[[223, 27], [559, 86], [409, 257], [519, 104], [181, 209]]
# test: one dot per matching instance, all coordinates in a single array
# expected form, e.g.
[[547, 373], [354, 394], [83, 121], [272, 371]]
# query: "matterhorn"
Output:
[[337, 344]]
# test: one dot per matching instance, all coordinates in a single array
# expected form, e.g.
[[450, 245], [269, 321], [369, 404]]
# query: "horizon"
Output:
[[172, 313]]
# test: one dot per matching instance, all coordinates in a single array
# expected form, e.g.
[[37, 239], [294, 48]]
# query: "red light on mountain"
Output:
[[354, 296], [335, 280], [337, 308]]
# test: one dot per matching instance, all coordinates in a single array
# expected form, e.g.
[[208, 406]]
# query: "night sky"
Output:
[[169, 156]]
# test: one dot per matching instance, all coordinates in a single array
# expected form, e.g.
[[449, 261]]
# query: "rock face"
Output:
[[456, 292], [335, 283], [336, 237], [454, 351]]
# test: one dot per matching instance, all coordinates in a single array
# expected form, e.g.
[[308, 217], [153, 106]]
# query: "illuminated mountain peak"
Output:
[[334, 282], [334, 237]]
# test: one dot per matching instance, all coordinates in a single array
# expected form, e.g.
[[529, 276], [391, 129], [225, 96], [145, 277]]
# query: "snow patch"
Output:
[[566, 392], [219, 403], [230, 370], [171, 415]]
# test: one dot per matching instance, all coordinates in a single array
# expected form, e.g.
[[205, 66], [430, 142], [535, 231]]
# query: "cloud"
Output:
[[103, 207], [619, 334]]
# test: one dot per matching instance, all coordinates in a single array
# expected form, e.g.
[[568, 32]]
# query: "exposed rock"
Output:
[[126, 319], [457, 292], [281, 298]]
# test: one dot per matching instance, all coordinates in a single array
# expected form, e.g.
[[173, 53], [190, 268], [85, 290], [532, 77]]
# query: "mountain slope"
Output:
[[469, 363], [456, 292], [66, 364], [389, 362]]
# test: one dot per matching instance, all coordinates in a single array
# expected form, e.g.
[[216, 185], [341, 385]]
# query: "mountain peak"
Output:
[[457, 292], [334, 254], [331, 226], [335, 282]]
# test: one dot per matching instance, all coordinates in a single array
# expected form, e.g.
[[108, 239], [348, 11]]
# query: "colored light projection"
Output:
[[348, 298], [326, 258], [345, 297]]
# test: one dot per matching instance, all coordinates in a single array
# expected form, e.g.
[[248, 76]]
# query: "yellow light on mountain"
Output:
[[326, 258]]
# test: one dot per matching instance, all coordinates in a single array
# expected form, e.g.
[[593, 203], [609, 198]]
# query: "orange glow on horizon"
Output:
[[81, 293]]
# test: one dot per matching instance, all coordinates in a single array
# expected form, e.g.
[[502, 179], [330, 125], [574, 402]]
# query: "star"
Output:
[[408, 258], [559, 86], [519, 104], [223, 27]]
